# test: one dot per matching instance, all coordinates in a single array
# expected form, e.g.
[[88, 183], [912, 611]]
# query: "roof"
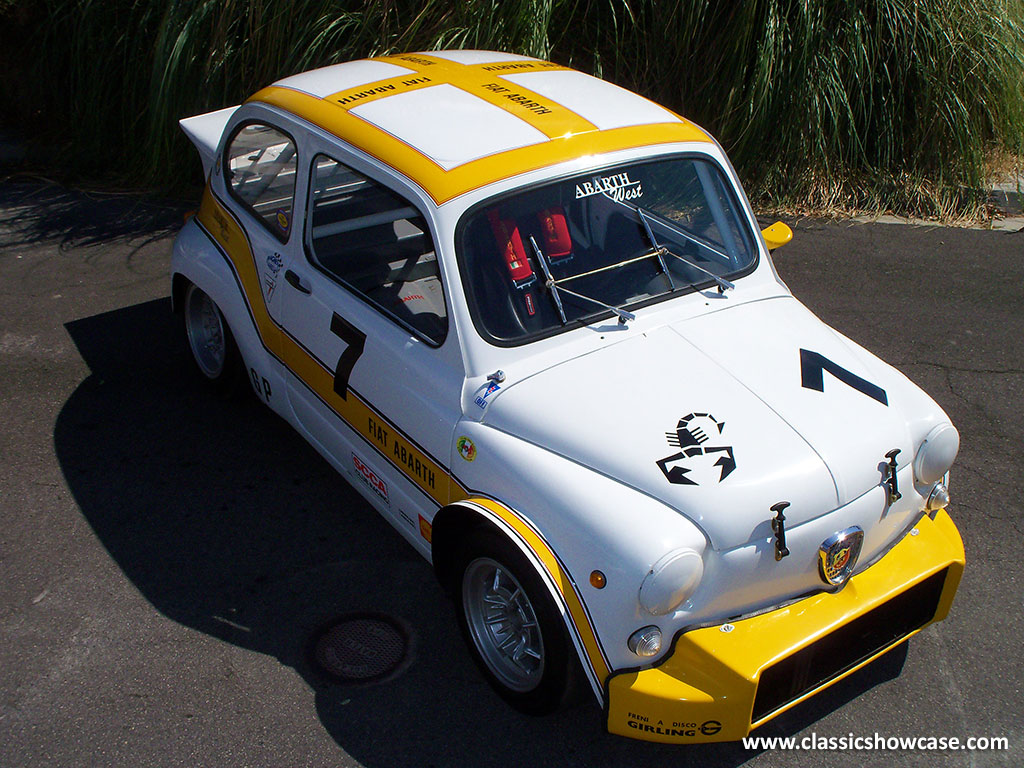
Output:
[[454, 121]]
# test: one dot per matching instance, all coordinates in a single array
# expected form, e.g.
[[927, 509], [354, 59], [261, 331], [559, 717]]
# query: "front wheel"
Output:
[[510, 622]]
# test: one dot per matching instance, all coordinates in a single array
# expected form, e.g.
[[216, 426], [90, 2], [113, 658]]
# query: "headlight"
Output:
[[936, 454], [670, 581]]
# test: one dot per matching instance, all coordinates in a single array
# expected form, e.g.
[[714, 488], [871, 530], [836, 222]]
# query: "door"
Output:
[[376, 377]]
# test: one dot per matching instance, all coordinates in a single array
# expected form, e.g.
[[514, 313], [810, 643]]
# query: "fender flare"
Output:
[[459, 518], [201, 260]]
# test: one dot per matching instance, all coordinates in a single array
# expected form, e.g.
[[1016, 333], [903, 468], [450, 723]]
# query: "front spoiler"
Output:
[[706, 688]]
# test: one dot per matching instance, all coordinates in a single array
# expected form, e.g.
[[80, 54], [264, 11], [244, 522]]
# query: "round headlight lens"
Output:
[[670, 581], [936, 454], [645, 642]]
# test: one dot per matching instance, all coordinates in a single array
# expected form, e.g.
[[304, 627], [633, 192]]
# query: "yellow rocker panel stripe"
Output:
[[427, 474]]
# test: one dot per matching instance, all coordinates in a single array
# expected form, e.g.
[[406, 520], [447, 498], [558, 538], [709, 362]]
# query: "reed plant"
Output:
[[822, 104]]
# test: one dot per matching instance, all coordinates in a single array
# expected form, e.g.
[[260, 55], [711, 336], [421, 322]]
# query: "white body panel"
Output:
[[603, 104], [475, 129], [339, 77]]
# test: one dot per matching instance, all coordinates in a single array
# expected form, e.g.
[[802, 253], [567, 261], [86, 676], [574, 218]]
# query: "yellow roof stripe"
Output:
[[481, 80], [363, 94], [570, 136]]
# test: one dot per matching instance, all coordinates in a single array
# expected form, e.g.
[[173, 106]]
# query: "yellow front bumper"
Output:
[[721, 682]]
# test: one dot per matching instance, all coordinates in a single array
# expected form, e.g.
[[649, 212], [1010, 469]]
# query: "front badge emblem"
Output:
[[838, 555]]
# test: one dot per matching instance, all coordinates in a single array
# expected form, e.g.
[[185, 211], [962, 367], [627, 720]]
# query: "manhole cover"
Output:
[[361, 648]]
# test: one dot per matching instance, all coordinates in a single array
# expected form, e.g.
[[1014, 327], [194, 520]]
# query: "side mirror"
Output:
[[777, 235]]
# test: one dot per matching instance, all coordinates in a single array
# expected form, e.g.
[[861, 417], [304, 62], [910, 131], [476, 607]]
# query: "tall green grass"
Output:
[[822, 104]]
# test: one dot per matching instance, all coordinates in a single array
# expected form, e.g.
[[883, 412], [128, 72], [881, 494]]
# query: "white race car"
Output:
[[530, 316]]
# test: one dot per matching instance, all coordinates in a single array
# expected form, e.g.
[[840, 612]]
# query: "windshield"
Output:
[[555, 255]]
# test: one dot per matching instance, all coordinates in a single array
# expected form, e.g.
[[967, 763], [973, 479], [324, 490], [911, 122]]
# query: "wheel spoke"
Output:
[[205, 330], [503, 625]]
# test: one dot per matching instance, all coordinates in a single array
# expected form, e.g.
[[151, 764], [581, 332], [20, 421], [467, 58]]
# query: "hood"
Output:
[[723, 416]]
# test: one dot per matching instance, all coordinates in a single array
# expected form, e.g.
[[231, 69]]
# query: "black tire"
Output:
[[534, 686], [212, 345]]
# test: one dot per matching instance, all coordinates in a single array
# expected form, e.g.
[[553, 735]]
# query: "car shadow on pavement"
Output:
[[36, 211], [230, 524]]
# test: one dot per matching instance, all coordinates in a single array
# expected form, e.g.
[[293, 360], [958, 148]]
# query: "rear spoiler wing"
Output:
[[205, 132]]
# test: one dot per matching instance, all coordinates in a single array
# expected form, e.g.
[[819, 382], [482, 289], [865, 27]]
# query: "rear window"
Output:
[[261, 165]]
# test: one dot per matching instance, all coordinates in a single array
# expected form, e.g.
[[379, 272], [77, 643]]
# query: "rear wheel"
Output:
[[510, 622], [213, 348]]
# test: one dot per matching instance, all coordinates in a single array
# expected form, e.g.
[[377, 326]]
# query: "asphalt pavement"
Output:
[[165, 557]]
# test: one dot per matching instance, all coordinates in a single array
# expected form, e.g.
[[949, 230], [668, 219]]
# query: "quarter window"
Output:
[[261, 167], [378, 244]]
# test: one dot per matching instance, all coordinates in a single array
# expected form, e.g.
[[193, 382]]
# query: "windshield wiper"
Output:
[[555, 287], [661, 250]]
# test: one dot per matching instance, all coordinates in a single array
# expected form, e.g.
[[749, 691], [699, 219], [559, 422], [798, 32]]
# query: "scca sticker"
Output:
[[466, 448], [274, 264], [370, 477]]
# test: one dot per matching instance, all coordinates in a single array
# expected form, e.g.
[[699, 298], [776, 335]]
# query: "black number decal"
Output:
[[355, 340], [260, 384], [812, 364]]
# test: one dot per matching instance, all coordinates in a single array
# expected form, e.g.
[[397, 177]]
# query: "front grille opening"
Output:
[[847, 647]]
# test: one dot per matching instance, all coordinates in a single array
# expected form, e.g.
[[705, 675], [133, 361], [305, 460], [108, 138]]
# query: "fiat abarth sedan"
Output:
[[530, 316]]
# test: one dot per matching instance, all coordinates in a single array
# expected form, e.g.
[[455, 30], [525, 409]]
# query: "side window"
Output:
[[377, 243], [260, 169]]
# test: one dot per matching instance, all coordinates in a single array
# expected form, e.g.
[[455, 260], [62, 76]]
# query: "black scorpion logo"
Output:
[[690, 437]]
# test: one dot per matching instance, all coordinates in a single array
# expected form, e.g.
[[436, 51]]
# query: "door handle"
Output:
[[296, 282]]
